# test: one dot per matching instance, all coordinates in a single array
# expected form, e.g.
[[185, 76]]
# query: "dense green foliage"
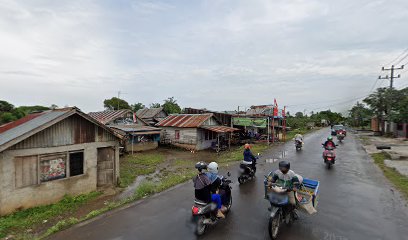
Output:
[[360, 115], [9, 113], [116, 104], [137, 106], [171, 106]]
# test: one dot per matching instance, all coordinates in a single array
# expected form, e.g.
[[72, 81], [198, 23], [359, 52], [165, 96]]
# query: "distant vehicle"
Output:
[[336, 128]]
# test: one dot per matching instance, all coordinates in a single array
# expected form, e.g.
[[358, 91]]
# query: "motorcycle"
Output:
[[281, 210], [329, 156], [205, 214], [247, 171], [298, 145], [340, 136]]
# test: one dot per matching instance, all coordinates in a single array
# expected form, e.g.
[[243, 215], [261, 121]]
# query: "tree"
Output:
[[155, 105], [359, 115], [115, 104], [5, 106], [137, 106], [171, 106], [7, 117], [299, 114]]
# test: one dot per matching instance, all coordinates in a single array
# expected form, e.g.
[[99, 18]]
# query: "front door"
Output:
[[106, 166]]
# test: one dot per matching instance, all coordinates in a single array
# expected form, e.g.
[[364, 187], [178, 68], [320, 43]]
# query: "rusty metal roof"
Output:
[[149, 112], [109, 115], [220, 129], [185, 120], [23, 128]]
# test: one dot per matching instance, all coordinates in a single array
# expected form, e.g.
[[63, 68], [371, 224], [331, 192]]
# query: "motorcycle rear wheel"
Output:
[[200, 226], [273, 226]]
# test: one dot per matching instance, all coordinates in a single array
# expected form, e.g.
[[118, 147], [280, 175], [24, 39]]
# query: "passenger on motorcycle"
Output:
[[329, 143], [287, 179], [212, 174], [299, 137], [203, 186], [249, 158]]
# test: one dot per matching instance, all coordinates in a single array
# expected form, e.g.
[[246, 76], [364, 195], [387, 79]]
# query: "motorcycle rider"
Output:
[[299, 137], [249, 158], [212, 174], [287, 179], [329, 142], [203, 186]]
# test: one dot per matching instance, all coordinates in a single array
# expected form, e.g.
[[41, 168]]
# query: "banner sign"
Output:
[[250, 122]]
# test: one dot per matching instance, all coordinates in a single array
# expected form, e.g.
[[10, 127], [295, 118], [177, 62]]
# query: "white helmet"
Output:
[[213, 167]]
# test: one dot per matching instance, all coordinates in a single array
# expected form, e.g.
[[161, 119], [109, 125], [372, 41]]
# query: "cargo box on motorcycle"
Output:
[[308, 195]]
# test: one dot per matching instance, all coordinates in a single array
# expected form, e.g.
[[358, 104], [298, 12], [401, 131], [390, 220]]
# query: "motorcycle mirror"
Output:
[[228, 174]]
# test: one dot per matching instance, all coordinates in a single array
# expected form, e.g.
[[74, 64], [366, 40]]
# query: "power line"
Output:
[[395, 59]]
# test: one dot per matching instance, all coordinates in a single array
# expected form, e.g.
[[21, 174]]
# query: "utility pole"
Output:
[[392, 77]]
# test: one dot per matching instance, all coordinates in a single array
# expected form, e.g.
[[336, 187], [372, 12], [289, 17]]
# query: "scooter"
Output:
[[340, 136], [247, 171], [281, 210], [329, 156], [298, 145], [205, 214]]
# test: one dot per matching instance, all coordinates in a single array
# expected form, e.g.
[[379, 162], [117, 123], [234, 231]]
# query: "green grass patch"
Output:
[[22, 220], [398, 180], [138, 164]]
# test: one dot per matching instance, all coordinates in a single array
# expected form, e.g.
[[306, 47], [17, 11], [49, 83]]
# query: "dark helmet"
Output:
[[284, 166], [200, 166]]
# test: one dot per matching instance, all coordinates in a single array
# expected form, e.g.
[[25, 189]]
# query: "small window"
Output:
[[76, 163], [177, 134]]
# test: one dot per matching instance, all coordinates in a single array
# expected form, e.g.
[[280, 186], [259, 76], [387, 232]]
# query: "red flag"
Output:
[[284, 111], [275, 108], [134, 118]]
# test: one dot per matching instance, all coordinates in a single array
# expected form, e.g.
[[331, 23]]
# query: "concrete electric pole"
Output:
[[392, 77]]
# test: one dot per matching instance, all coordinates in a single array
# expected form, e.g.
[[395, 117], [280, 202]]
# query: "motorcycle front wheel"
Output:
[[241, 180], [273, 226], [200, 226]]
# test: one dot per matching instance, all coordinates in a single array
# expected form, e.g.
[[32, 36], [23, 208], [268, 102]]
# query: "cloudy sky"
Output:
[[213, 54]]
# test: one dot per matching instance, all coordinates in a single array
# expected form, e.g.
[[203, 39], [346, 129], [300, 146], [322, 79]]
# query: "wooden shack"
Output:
[[45, 156]]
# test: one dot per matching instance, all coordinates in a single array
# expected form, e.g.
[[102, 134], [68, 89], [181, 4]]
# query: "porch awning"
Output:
[[219, 129], [145, 133]]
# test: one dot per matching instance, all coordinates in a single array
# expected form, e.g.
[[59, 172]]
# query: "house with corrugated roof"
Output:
[[152, 115], [45, 156], [136, 134], [194, 131]]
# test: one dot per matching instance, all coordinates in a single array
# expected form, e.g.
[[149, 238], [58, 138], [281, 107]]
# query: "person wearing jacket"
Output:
[[212, 174], [249, 158]]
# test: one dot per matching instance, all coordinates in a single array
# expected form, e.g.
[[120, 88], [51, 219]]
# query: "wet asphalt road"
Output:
[[356, 202]]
